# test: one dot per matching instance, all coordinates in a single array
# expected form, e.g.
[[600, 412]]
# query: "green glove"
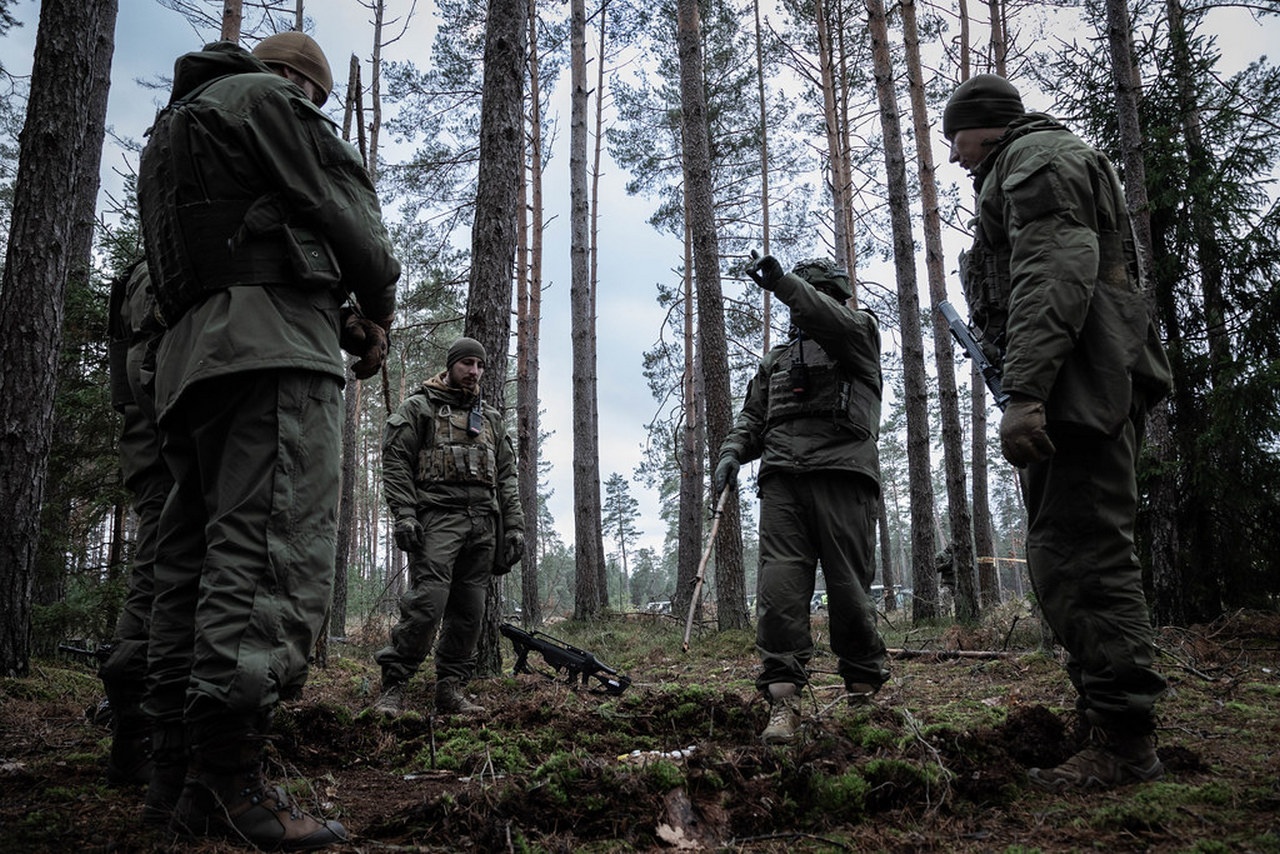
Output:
[[726, 473], [512, 548], [1023, 437], [409, 534]]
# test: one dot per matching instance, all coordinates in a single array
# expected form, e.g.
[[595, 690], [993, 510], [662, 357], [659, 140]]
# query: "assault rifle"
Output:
[[961, 332], [573, 662], [98, 654]]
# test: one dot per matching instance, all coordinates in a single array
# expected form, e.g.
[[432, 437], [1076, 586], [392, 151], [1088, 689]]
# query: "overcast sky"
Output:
[[633, 257]]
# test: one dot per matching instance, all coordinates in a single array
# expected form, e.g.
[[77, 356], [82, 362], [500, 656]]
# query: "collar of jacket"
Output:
[[438, 386], [217, 59], [1017, 129]]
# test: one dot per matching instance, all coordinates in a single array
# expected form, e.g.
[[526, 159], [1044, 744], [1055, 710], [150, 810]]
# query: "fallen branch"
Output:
[[984, 654]]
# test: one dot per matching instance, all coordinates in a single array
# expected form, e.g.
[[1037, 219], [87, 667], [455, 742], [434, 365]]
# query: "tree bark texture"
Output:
[[493, 236], [588, 594], [924, 580], [528, 342], [731, 610], [60, 150], [943, 353]]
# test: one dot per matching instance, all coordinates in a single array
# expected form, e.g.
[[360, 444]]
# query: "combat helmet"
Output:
[[300, 52], [824, 275]]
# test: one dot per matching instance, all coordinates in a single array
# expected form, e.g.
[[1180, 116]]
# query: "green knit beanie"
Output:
[[982, 101], [462, 348]]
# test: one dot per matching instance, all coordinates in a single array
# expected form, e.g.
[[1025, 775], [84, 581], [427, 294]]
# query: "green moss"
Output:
[[842, 797], [664, 775]]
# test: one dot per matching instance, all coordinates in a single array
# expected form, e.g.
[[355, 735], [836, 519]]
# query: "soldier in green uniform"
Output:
[[1055, 287], [448, 468], [133, 332], [812, 417], [260, 225]]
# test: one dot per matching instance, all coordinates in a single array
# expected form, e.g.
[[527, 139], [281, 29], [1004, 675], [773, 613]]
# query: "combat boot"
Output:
[[451, 701], [784, 720], [860, 693], [1111, 758], [129, 761], [168, 772], [123, 675], [390, 702], [227, 796]]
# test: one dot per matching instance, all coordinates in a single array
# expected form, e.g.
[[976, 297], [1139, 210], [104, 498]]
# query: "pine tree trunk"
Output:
[[60, 151], [923, 577], [586, 444], [948, 399], [528, 340], [731, 611], [1158, 529], [493, 236]]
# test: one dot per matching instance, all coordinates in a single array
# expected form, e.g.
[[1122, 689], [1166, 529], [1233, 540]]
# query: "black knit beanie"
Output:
[[462, 348], [982, 101]]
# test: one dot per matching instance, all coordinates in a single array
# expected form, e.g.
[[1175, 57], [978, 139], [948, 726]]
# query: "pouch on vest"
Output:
[[311, 257]]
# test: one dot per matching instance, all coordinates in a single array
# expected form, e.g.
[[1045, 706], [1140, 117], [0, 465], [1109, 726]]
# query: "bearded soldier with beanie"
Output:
[[448, 468], [267, 252], [1055, 289], [812, 417]]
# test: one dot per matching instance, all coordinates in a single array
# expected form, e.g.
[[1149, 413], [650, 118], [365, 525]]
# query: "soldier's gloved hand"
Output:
[[375, 353], [512, 550], [766, 271], [726, 473], [409, 534], [1023, 437]]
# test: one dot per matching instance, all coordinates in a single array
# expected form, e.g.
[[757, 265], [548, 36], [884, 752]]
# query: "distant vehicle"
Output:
[[818, 602], [658, 607]]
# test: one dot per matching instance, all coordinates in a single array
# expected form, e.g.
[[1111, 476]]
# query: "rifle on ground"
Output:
[[961, 332], [573, 662], [95, 655]]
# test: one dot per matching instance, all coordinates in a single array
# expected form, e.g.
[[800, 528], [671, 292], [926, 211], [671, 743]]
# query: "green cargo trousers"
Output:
[[1081, 505], [448, 579], [244, 568], [807, 518], [148, 479]]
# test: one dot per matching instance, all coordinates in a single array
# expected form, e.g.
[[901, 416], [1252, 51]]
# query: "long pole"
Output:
[[702, 566]]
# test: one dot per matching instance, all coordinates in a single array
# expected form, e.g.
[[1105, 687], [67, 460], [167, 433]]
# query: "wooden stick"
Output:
[[706, 555]]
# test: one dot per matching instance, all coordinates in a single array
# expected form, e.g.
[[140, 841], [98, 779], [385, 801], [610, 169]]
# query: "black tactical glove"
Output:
[[766, 271], [409, 535], [726, 473], [1023, 438]]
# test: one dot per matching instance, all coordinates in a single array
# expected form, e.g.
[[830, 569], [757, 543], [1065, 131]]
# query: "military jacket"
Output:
[[275, 214], [431, 459], [834, 425], [1053, 280]]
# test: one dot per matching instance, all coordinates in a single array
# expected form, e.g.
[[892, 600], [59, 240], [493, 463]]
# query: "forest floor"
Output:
[[938, 764]]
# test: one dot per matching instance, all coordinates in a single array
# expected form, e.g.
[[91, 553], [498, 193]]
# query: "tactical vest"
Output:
[[196, 244], [830, 391], [456, 456], [987, 285]]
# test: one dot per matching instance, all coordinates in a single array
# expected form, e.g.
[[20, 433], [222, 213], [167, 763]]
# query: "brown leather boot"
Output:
[[451, 701], [1111, 758], [228, 796]]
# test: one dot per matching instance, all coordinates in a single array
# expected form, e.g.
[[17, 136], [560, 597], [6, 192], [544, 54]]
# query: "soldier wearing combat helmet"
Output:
[[812, 416]]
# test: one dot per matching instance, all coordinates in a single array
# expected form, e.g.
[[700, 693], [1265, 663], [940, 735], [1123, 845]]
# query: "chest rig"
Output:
[[462, 450]]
